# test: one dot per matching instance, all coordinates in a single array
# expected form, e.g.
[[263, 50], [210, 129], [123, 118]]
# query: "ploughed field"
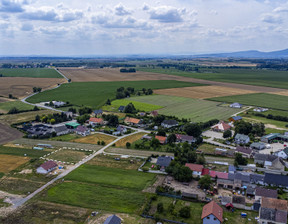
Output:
[[30, 72]]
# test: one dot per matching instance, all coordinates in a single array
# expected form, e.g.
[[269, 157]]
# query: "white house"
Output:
[[236, 105], [47, 167], [283, 154]]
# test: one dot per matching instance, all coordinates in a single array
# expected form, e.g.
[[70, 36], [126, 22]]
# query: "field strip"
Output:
[[281, 93], [203, 92]]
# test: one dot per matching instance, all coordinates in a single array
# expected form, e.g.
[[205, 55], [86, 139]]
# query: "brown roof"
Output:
[[212, 208], [245, 150], [48, 165], [222, 126], [274, 203], [132, 120], [195, 167], [154, 113], [161, 139], [263, 192], [96, 120]]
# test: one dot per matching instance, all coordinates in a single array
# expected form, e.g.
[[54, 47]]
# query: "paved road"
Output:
[[62, 175]]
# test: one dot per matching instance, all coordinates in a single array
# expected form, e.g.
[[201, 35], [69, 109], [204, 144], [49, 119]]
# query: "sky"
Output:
[[127, 27]]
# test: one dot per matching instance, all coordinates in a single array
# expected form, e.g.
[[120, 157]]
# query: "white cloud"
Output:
[[11, 6], [271, 18], [166, 14], [120, 10]]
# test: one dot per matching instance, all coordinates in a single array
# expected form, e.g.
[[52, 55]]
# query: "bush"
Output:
[[185, 212], [128, 145], [160, 207]]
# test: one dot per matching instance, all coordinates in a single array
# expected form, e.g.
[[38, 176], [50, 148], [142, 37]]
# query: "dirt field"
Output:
[[203, 92], [9, 162], [3, 100], [8, 134], [20, 87], [93, 139], [131, 139], [66, 155], [282, 93]]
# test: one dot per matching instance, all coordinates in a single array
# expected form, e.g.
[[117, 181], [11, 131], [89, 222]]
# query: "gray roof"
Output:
[[256, 178], [276, 179], [164, 161], [258, 145], [60, 128], [121, 108], [98, 111], [232, 168], [113, 219], [245, 150], [241, 137], [273, 215], [238, 200], [169, 122], [264, 157], [242, 177], [269, 193], [231, 176]]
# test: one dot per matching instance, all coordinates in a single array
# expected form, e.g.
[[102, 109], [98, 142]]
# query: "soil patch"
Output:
[[8, 134], [9, 162]]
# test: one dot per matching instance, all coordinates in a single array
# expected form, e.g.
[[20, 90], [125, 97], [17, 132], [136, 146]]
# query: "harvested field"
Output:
[[20, 87], [9, 162], [281, 93], [202, 92], [131, 152], [131, 139], [66, 155], [3, 100], [93, 139], [8, 134]]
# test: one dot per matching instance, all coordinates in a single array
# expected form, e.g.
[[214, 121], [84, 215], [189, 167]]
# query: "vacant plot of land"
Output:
[[66, 155], [32, 153], [3, 100], [9, 162], [20, 87], [132, 138], [5, 107], [93, 139], [131, 152], [194, 109], [30, 72], [258, 99], [202, 92], [95, 94], [8, 134]]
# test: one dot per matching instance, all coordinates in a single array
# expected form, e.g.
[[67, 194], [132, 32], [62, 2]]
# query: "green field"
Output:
[[30, 72], [21, 151], [109, 189], [271, 78], [95, 94], [257, 99], [138, 105], [6, 106], [195, 109]]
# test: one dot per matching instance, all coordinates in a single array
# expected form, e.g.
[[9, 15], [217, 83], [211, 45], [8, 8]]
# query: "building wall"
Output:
[[211, 219], [41, 170]]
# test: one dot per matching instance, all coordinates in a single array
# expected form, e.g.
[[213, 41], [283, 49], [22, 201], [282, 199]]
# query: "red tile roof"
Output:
[[222, 126], [48, 165], [195, 167], [214, 209], [96, 120], [220, 175], [205, 171], [154, 113], [161, 139], [131, 120]]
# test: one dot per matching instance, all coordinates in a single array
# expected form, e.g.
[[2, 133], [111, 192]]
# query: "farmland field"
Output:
[[194, 109], [257, 99], [8, 134], [67, 155], [93, 139], [102, 188], [30, 72], [131, 139], [95, 94], [30, 153], [5, 107], [9, 162], [269, 78]]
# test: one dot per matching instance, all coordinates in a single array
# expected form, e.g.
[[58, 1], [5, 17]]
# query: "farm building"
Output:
[[82, 130], [221, 127], [276, 180], [185, 138], [162, 139], [212, 213], [241, 139], [169, 123], [274, 136], [282, 154], [72, 125], [245, 151], [39, 130], [269, 161], [113, 219], [58, 103], [273, 211], [61, 130], [154, 113], [195, 168], [47, 167], [258, 145], [236, 105], [235, 118], [260, 109], [94, 121], [264, 192]]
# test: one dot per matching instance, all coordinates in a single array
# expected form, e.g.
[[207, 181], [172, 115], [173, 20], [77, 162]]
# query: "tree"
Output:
[[37, 118], [201, 159], [171, 138], [130, 109], [120, 95], [128, 145], [258, 129], [83, 118], [185, 212], [85, 110], [159, 119], [52, 121], [227, 134], [161, 132], [193, 130], [13, 110], [179, 172], [35, 108], [73, 110], [154, 143], [243, 127], [240, 160], [149, 91], [112, 120], [191, 156], [108, 102], [205, 182], [160, 207], [102, 143]]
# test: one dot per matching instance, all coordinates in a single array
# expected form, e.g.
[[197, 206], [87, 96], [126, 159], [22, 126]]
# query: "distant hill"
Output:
[[249, 54]]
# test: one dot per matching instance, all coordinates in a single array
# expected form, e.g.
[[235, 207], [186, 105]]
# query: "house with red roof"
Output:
[[221, 127], [154, 113], [162, 139], [195, 168], [132, 121], [220, 175], [94, 121], [47, 167], [212, 213]]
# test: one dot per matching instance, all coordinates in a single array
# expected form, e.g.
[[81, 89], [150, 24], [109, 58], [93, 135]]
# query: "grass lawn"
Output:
[[257, 99], [95, 94], [64, 138], [131, 139], [30, 72], [5, 107], [67, 155], [194, 109], [93, 139], [32, 153], [138, 105], [251, 117], [207, 148], [271, 78]]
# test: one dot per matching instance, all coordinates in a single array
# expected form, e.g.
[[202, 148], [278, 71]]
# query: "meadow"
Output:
[[93, 139], [32, 153], [6, 106], [257, 99], [194, 109], [95, 94], [269, 78], [30, 72], [102, 188]]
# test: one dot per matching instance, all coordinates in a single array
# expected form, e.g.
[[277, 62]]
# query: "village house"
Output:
[[185, 138], [269, 161], [61, 129], [113, 219], [264, 192], [241, 139], [271, 179], [58, 103], [212, 213], [236, 105], [282, 154], [154, 113], [257, 179], [82, 130], [97, 113], [235, 118], [238, 201], [162, 139], [258, 145], [164, 162], [195, 168], [94, 121], [260, 109], [47, 167], [120, 130], [132, 121], [273, 211], [121, 108], [221, 127], [169, 123], [244, 151]]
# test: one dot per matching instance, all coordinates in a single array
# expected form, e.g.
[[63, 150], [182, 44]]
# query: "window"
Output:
[[208, 217]]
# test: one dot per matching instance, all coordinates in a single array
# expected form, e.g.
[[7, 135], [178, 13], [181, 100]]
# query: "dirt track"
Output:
[[8, 134]]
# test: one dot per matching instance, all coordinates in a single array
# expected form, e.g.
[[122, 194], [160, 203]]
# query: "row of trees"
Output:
[[246, 128], [53, 118]]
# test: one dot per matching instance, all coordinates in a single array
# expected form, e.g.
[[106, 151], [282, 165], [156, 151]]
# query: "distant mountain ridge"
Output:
[[249, 54]]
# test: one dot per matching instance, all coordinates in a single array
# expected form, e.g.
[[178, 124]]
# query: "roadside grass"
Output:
[[250, 117], [273, 130], [95, 94], [30, 72], [195, 109], [32, 153], [64, 138], [67, 155], [131, 139], [93, 139], [6, 106], [138, 105], [270, 78], [273, 101]]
